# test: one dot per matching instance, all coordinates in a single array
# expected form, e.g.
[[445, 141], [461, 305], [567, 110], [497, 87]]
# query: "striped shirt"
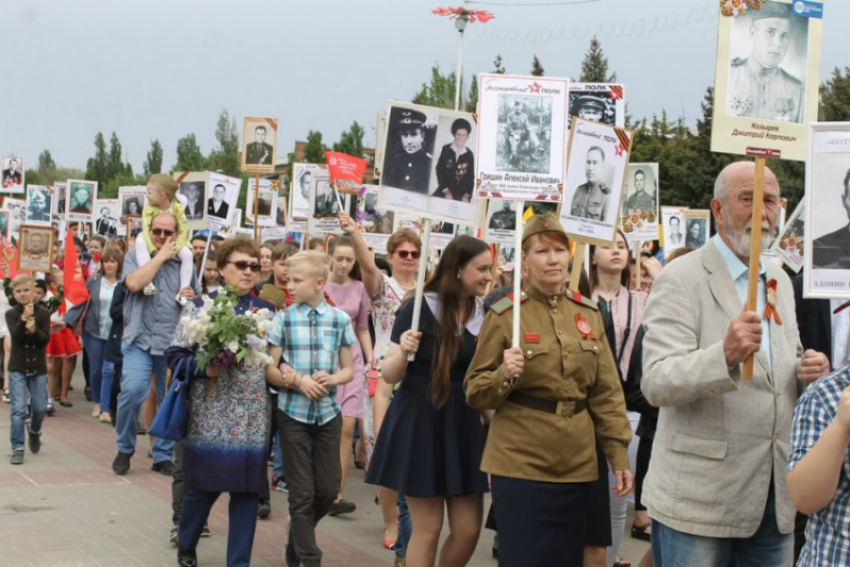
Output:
[[311, 339], [828, 530]]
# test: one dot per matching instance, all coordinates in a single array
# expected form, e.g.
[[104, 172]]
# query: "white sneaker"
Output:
[[150, 289]]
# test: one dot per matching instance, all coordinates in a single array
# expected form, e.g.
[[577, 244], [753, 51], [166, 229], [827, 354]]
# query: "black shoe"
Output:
[[265, 509], [164, 467], [34, 441], [17, 458], [87, 393], [121, 464], [172, 535], [187, 558], [342, 507], [205, 532]]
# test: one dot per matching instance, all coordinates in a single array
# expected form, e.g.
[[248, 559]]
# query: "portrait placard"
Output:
[[672, 229], [324, 207], [380, 142], [375, 223], [826, 261], [39, 204], [429, 164], [299, 192], [5, 217], [501, 221], [193, 193], [767, 77], [598, 102], [277, 233], [35, 249], [80, 200], [106, 216], [17, 215], [14, 175], [267, 208], [131, 201], [259, 138], [697, 228], [222, 202], [522, 137], [640, 218], [596, 171], [441, 234], [789, 245], [59, 200]]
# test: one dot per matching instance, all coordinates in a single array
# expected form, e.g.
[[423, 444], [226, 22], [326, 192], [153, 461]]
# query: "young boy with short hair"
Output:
[[29, 328], [313, 342]]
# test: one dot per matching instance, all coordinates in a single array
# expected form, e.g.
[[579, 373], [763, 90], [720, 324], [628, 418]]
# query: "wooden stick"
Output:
[[755, 252], [494, 272], [517, 277], [257, 207], [420, 280], [637, 264], [203, 266], [578, 266]]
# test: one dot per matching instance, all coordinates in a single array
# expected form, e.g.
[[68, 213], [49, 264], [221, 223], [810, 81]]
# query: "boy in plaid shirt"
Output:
[[313, 342]]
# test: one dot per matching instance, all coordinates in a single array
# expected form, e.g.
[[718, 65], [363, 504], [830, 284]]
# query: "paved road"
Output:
[[65, 507]]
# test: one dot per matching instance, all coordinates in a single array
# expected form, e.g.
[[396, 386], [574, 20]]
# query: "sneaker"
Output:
[[342, 507], [17, 458], [265, 509], [279, 484], [6, 398], [95, 411], [164, 467], [150, 289], [121, 464], [34, 441], [172, 535], [50, 409], [105, 417], [186, 558], [205, 532]]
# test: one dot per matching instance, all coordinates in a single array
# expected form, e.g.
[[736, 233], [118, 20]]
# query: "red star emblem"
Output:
[[535, 88], [620, 149]]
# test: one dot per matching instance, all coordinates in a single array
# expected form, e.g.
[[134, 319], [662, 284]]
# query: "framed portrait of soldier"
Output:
[[789, 246], [500, 225], [375, 222], [767, 77], [325, 207], [826, 261], [59, 200], [259, 138], [80, 200], [13, 175], [640, 218], [522, 137], [106, 218], [35, 248], [598, 102], [267, 204], [131, 201], [697, 228], [597, 164], [299, 193], [429, 163], [223, 196], [673, 229], [39, 204]]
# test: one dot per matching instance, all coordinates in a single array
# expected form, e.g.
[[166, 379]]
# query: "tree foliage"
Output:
[[189, 155], [153, 161], [498, 68], [314, 150], [225, 157], [536, 67], [594, 67], [835, 97], [351, 141], [46, 165], [97, 167]]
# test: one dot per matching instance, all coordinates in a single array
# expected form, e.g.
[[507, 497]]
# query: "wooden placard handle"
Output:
[[755, 252], [578, 265]]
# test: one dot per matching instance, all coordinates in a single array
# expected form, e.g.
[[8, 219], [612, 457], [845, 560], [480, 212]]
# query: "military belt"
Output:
[[563, 408]]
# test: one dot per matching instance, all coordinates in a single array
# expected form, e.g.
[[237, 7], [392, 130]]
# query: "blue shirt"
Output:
[[740, 277], [828, 530], [311, 339]]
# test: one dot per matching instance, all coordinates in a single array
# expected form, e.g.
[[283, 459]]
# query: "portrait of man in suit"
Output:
[[194, 193], [326, 203], [106, 223], [12, 174], [259, 152], [217, 206], [832, 251]]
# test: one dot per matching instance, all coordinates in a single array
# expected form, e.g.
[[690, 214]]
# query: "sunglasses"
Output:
[[404, 254], [162, 232], [242, 265]]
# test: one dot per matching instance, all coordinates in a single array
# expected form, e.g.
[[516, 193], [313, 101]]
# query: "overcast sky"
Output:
[[166, 68]]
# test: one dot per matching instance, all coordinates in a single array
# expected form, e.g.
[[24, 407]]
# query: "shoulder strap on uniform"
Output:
[[582, 300], [506, 303]]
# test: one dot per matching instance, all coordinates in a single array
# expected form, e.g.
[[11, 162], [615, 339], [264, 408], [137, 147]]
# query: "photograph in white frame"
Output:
[[789, 246], [673, 228]]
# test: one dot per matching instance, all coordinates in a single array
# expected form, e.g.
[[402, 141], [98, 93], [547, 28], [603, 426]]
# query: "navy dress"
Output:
[[423, 451]]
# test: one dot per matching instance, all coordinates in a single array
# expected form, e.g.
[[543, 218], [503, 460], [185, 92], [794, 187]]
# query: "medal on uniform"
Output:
[[771, 310], [584, 327]]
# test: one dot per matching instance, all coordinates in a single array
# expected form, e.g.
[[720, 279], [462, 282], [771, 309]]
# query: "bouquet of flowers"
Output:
[[225, 338]]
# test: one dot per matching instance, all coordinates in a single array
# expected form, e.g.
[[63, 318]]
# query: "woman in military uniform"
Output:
[[554, 396]]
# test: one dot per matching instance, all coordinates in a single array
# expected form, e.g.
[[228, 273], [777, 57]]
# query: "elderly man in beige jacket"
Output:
[[716, 483]]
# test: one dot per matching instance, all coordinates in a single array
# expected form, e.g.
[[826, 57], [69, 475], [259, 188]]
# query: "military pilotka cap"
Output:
[[412, 118], [166, 181], [772, 10], [589, 101], [542, 223]]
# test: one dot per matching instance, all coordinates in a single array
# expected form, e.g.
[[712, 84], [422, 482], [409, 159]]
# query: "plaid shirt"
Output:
[[828, 530], [311, 339]]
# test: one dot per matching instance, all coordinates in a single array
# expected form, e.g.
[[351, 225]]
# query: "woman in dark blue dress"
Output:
[[431, 441]]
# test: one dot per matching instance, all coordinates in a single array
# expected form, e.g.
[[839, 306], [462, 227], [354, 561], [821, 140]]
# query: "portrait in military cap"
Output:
[[410, 150], [598, 102], [640, 203], [259, 138]]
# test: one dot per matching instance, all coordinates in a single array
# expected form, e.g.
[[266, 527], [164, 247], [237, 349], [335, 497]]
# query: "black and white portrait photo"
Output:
[[456, 165], [673, 228], [831, 251], [696, 228], [17, 215], [13, 174], [39, 203], [223, 194], [410, 148], [266, 205], [218, 205], [524, 126], [81, 196], [640, 218], [194, 192], [132, 207], [259, 139], [598, 102], [106, 217], [768, 62], [59, 192], [504, 217], [592, 198], [325, 203], [370, 217], [302, 179]]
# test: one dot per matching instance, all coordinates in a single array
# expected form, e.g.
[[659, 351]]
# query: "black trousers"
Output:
[[313, 473], [540, 523], [644, 453]]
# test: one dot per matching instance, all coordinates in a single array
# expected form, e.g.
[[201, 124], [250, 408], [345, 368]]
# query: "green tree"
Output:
[[536, 67], [153, 162], [97, 167], [440, 92], [314, 150], [110, 189], [498, 69], [835, 97], [46, 166], [225, 158], [594, 67], [116, 165], [471, 104], [189, 155], [351, 141]]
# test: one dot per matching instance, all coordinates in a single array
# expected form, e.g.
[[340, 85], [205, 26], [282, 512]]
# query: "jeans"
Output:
[[767, 547], [101, 372], [178, 485], [277, 467], [135, 388], [241, 516], [405, 526], [19, 383]]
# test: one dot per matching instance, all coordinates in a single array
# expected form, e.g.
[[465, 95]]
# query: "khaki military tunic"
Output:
[[591, 201], [766, 93], [561, 365]]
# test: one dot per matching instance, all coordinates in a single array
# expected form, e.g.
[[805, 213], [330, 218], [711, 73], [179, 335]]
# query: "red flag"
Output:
[[346, 171], [75, 285]]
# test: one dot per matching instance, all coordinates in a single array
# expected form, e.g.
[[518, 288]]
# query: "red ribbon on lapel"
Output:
[[771, 310]]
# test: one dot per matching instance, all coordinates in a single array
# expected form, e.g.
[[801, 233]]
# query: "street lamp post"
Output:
[[460, 24]]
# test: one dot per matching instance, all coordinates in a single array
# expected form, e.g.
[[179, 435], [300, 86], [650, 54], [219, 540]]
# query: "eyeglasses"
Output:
[[404, 254], [161, 232], [242, 265]]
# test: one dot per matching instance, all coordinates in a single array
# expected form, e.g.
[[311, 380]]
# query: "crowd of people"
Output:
[[560, 427]]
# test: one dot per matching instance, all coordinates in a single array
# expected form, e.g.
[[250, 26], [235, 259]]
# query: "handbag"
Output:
[[170, 420], [75, 317]]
